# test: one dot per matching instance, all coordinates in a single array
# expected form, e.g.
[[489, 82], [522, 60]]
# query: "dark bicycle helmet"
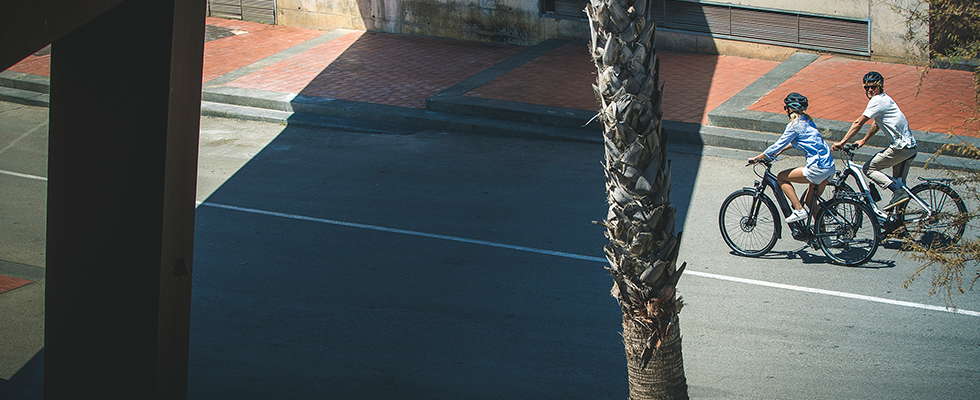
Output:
[[874, 79], [796, 102]]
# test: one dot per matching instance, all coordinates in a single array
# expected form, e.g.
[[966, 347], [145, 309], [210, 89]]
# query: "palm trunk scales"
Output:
[[642, 250]]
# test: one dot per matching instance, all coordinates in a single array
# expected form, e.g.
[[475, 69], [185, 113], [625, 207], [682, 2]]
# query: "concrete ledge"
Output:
[[486, 116], [29, 82], [24, 97], [371, 117], [733, 126], [249, 98], [212, 109], [511, 111]]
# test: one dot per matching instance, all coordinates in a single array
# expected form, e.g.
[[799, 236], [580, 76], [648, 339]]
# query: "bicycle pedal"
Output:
[[798, 235]]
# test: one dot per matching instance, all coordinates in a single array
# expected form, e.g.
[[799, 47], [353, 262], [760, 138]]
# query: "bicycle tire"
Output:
[[848, 231], [745, 234], [945, 227]]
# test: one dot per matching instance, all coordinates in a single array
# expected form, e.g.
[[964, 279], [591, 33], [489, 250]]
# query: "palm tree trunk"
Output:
[[642, 250]]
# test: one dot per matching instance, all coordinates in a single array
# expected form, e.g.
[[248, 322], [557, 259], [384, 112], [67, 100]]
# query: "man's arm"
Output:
[[855, 127], [871, 132]]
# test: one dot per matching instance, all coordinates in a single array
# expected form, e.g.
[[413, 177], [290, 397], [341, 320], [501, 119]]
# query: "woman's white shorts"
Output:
[[817, 175]]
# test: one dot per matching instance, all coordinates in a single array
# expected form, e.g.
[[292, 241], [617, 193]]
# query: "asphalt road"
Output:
[[361, 265]]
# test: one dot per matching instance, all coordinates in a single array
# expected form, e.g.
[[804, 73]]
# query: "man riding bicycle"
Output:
[[884, 114]]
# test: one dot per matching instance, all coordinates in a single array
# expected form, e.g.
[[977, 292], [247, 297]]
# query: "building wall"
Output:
[[503, 21], [522, 22], [889, 23]]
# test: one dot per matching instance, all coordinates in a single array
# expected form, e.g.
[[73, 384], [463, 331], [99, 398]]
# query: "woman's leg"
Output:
[[786, 178], [814, 190]]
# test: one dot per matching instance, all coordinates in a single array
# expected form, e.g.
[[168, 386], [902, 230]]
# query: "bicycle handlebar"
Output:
[[767, 161], [847, 151]]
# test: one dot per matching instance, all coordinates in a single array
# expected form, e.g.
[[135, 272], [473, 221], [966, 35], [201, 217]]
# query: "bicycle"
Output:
[[843, 227], [928, 217]]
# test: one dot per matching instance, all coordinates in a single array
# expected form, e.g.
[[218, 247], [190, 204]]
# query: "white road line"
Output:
[[596, 259], [34, 129], [14, 142], [832, 293], [17, 174], [402, 231]]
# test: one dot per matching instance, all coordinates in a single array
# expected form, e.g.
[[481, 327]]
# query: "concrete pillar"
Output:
[[124, 121]]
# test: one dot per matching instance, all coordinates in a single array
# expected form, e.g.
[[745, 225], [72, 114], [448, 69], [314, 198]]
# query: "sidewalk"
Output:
[[302, 76]]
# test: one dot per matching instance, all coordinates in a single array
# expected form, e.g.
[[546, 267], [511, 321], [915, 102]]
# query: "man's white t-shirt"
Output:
[[890, 119]]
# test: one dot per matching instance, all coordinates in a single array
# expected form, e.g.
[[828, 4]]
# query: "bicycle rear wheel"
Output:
[[946, 224], [749, 228], [848, 231]]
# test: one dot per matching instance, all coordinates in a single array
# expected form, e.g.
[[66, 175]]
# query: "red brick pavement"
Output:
[[260, 41], [35, 65], [8, 283], [257, 41], [694, 83], [941, 101], [295, 74], [562, 77], [380, 68]]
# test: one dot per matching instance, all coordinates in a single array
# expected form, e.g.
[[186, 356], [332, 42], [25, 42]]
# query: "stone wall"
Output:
[[522, 22], [501, 21]]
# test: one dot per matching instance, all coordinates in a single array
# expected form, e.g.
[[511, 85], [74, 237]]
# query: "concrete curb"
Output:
[[26, 89], [733, 126], [283, 108], [22, 81], [24, 97]]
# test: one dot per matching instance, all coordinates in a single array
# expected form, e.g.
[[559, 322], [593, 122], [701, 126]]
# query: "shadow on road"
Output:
[[409, 265]]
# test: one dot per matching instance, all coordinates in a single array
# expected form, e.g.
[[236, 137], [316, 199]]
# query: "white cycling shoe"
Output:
[[797, 215]]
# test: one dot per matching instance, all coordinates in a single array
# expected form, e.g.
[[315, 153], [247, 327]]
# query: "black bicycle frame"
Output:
[[801, 230], [769, 179]]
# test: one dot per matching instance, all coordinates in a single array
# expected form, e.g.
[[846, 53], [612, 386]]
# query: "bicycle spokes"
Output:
[[848, 232]]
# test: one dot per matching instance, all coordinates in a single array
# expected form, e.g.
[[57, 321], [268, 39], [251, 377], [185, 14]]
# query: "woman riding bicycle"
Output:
[[802, 134]]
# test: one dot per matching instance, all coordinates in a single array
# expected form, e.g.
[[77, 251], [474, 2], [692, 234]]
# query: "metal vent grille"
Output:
[[766, 26], [249, 10], [762, 25], [698, 18], [225, 8], [567, 8], [835, 34]]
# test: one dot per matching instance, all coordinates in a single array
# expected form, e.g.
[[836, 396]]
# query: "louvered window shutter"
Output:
[[249, 10], [766, 26]]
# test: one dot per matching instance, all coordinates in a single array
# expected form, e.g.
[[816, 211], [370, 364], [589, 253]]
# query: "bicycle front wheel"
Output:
[[750, 227], [946, 224], [848, 231]]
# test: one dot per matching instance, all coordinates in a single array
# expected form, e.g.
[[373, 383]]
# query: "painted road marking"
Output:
[[28, 133], [17, 174], [590, 258], [11, 145]]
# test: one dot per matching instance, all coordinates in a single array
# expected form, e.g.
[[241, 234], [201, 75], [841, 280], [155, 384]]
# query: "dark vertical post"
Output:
[[124, 120]]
